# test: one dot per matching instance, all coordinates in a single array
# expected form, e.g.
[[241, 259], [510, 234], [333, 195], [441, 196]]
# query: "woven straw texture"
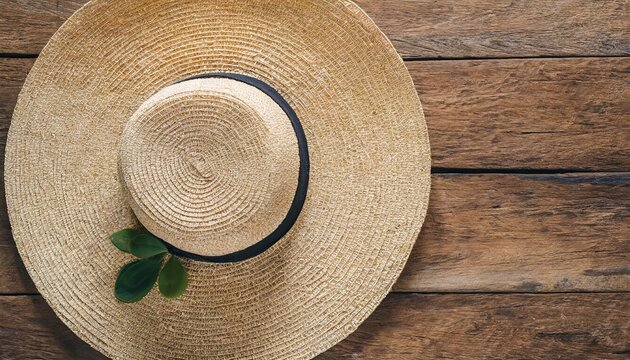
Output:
[[224, 165], [71, 174]]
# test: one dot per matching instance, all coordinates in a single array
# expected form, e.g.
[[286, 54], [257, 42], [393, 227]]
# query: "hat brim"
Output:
[[367, 197]]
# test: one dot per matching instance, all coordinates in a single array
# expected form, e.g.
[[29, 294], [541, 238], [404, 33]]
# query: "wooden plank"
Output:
[[584, 326], [29, 329], [527, 233], [503, 28], [12, 75], [506, 114], [418, 28], [498, 233], [26, 25], [405, 326], [541, 113]]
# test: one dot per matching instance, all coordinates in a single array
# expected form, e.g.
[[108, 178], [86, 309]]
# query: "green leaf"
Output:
[[122, 238], [146, 245], [173, 279], [137, 278]]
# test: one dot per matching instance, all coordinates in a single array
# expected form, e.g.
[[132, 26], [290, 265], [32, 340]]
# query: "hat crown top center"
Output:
[[210, 165]]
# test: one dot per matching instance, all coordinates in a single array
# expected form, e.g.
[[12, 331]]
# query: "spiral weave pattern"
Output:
[[367, 196], [211, 165]]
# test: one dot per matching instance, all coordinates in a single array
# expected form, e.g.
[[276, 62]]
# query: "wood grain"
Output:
[[12, 75], [497, 233], [503, 28], [29, 329], [529, 233], [585, 326], [500, 114], [27, 25], [540, 113], [418, 28], [405, 326]]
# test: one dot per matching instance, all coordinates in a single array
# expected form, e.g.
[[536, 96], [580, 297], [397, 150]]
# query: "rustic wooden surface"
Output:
[[525, 252]]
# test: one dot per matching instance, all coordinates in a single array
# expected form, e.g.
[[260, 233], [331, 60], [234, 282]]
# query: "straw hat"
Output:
[[278, 148]]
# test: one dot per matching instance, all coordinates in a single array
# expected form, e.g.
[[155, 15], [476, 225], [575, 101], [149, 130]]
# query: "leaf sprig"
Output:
[[136, 279]]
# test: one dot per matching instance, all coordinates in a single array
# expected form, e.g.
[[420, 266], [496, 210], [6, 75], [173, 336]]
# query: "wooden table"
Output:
[[525, 252]]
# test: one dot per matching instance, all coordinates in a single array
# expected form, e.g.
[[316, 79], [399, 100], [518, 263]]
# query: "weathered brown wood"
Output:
[[493, 232], [503, 28], [548, 113], [29, 329], [418, 28], [405, 326], [530, 233], [14, 278], [27, 25], [12, 75], [541, 113], [585, 326]]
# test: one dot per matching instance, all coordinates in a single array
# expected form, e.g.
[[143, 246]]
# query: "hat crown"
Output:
[[210, 165]]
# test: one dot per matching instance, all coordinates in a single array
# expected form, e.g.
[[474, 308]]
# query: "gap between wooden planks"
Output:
[[493, 233], [569, 114], [404, 326], [417, 28]]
